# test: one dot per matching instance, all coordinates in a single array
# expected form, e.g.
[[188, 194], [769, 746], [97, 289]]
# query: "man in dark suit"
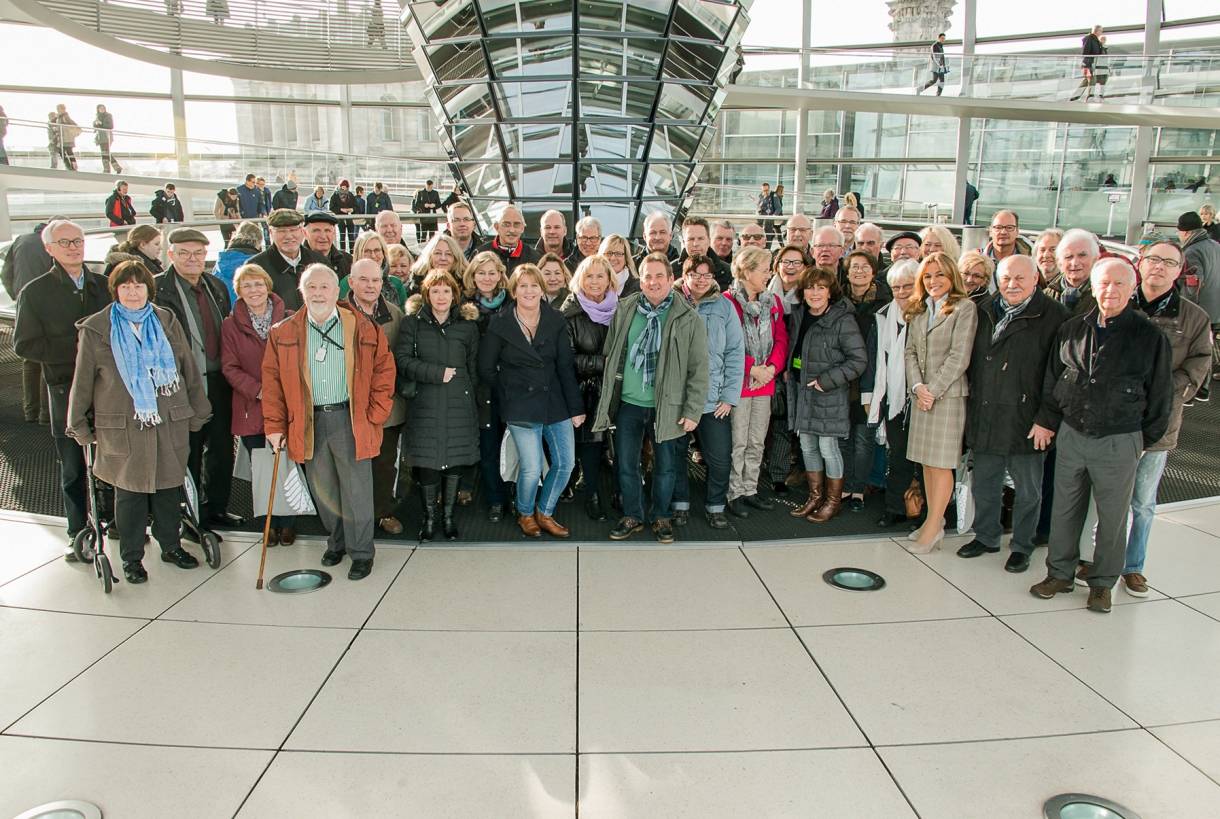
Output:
[[428, 202]]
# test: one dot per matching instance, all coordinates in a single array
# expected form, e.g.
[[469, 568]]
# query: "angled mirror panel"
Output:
[[525, 57], [440, 20], [517, 16], [534, 100], [540, 141], [475, 142], [456, 61]]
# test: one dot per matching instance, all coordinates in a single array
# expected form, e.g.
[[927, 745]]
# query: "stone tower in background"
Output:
[[919, 20]]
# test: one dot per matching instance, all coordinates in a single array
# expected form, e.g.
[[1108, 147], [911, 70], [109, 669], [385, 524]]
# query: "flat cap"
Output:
[[906, 234], [185, 234], [1190, 221], [320, 216], [285, 217]]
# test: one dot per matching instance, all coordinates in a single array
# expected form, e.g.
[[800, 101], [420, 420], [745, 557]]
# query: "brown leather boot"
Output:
[[551, 526], [529, 526], [831, 504], [815, 480]]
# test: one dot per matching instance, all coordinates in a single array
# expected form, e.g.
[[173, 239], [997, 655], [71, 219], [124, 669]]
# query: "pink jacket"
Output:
[[779, 349]]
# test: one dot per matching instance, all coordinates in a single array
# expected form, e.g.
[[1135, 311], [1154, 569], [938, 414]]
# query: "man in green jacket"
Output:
[[655, 385]]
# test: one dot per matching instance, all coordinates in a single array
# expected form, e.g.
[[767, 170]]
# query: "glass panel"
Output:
[[452, 62], [485, 179], [704, 18], [607, 57], [1176, 189], [647, 16], [609, 180], [682, 102], [534, 179], [693, 61], [616, 99], [675, 142], [1188, 142], [441, 20], [502, 16], [532, 57], [466, 102], [537, 141], [475, 141], [666, 180], [533, 100], [613, 141]]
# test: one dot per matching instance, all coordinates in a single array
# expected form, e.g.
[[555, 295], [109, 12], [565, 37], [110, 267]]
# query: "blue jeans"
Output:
[[857, 449], [634, 424], [716, 440], [822, 453], [561, 446], [1143, 508]]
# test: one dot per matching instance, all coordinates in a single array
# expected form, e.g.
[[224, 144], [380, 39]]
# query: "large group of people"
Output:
[[842, 361]]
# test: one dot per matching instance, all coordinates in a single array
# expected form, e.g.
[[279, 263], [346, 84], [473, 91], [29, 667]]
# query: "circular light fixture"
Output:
[[299, 581], [1084, 806], [64, 809], [853, 579]]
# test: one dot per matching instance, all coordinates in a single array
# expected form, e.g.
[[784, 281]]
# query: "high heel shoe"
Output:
[[921, 549]]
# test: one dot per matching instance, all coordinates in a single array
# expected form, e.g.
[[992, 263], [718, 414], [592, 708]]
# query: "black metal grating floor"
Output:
[[29, 483]]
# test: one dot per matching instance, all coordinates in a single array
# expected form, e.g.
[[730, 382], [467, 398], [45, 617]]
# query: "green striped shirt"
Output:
[[329, 376]]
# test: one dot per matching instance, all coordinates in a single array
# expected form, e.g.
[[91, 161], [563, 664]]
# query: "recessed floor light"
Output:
[[1084, 806], [64, 809], [299, 581], [852, 579]]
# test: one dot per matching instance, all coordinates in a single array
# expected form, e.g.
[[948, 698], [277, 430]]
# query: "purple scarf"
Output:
[[601, 312]]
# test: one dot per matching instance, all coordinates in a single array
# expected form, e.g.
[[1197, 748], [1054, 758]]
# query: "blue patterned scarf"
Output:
[[647, 347], [146, 363]]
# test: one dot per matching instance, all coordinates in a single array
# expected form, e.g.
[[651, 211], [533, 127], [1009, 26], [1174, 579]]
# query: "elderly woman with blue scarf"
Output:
[[137, 395]]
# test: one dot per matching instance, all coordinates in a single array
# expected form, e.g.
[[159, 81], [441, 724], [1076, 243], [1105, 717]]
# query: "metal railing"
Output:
[[282, 34], [154, 155], [1178, 77]]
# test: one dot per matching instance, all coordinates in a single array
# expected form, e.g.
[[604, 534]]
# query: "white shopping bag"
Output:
[[963, 496], [510, 462], [291, 496]]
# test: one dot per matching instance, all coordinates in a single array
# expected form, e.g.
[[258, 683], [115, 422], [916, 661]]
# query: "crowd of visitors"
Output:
[[536, 372]]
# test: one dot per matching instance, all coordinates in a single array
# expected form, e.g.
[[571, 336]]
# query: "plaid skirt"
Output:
[[935, 437]]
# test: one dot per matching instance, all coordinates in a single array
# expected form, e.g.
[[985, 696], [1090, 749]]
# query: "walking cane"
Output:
[[275, 474]]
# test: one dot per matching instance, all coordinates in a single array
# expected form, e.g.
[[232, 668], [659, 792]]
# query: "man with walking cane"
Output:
[[328, 387]]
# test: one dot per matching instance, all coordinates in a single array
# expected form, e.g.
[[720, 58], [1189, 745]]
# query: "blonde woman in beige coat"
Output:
[[941, 320]]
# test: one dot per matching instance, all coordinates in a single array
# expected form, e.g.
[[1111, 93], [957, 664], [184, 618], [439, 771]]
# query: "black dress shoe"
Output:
[[495, 513], [1016, 563], [333, 557], [759, 502], [593, 508], [855, 504], [625, 528], [890, 519], [181, 558], [780, 488], [974, 548], [133, 570], [717, 520], [360, 569], [737, 507], [681, 517]]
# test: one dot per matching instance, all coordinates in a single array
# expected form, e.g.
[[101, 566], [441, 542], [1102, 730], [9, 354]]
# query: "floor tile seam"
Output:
[[211, 574], [48, 562], [1068, 671], [1182, 756], [1154, 726], [1133, 728], [576, 721], [967, 594], [1080, 594], [75, 613], [321, 685], [724, 751], [133, 743], [258, 625], [1200, 611], [75, 677], [1193, 526], [808, 651]]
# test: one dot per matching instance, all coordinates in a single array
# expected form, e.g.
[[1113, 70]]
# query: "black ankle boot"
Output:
[[428, 530], [450, 498]]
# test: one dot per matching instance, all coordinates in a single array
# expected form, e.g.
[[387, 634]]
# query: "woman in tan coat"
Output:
[[941, 320], [137, 394]]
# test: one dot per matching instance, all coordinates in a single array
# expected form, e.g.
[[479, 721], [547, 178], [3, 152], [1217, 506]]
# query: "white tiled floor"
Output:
[[643, 681]]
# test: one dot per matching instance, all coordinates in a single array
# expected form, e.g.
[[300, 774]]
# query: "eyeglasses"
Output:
[[791, 263], [699, 274], [1168, 264], [746, 237], [1004, 228], [458, 220], [826, 247], [588, 238], [72, 243], [615, 254], [193, 255], [512, 224]]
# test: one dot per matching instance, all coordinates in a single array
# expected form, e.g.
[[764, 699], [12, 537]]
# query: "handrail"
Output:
[[922, 52]]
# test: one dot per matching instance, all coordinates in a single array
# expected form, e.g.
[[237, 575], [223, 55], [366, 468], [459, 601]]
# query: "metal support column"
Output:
[[178, 105], [6, 225], [1137, 202], [960, 170], [802, 112], [969, 22], [345, 118]]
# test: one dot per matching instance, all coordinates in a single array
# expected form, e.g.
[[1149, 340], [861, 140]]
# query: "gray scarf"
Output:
[[262, 324], [756, 322], [1007, 313]]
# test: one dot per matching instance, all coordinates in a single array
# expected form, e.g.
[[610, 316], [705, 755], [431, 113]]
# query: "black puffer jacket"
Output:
[[588, 338], [1127, 388], [442, 430], [1006, 376], [534, 381], [47, 311], [832, 351]]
